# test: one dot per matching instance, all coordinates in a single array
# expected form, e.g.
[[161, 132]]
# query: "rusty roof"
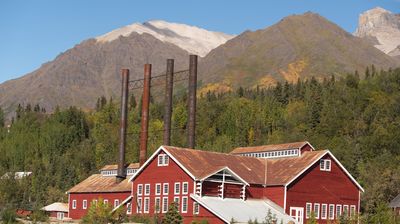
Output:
[[279, 171], [100, 183], [266, 148], [115, 166]]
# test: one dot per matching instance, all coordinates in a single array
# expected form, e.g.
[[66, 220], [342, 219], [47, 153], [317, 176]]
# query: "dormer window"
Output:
[[325, 165], [163, 160]]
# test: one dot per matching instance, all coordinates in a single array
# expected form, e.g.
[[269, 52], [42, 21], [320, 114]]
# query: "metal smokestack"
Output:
[[145, 114], [192, 101], [121, 174], [169, 83]]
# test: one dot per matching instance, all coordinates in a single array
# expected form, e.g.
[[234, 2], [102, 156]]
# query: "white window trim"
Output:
[[175, 188], [139, 207], [187, 187], [326, 167], [105, 201], [316, 213], [94, 202], [162, 160], [196, 205], [155, 205], [145, 189], [323, 216], [116, 203], [179, 202], [155, 190], [163, 190], [187, 204], [60, 215], [74, 204], [340, 211], [348, 211], [128, 208], [352, 208], [146, 209], [331, 216], [308, 214], [139, 186], [84, 204], [163, 203]]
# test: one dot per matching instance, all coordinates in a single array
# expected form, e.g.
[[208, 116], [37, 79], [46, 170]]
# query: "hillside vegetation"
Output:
[[358, 120]]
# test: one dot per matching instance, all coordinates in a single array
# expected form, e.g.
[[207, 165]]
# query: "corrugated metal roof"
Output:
[[242, 211], [56, 207], [115, 166], [395, 203], [266, 148], [100, 183], [253, 170]]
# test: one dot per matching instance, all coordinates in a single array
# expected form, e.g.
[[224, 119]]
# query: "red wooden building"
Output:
[[291, 180], [57, 211], [101, 186]]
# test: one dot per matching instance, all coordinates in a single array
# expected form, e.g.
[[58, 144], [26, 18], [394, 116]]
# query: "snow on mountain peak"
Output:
[[190, 38]]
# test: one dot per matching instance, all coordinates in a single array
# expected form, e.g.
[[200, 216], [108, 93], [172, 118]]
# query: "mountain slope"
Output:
[[382, 29], [190, 38], [298, 46]]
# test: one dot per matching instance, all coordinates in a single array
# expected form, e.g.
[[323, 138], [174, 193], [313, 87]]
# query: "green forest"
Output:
[[358, 119]]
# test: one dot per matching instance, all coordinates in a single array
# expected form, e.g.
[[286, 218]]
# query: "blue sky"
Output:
[[35, 32]]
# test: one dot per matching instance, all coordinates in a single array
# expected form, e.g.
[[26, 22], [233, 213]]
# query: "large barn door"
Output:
[[297, 213]]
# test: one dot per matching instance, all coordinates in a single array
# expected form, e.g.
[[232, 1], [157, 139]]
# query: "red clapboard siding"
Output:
[[305, 148], [276, 194], [316, 186]]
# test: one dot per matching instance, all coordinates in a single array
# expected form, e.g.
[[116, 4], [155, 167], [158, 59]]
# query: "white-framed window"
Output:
[[147, 189], [60, 215], [165, 204], [316, 210], [139, 189], [196, 208], [158, 189], [157, 205], [73, 204], [163, 160], [352, 210], [84, 204], [331, 212], [105, 201], [177, 188], [324, 208], [338, 211], [165, 188], [139, 205], [325, 164], [94, 202], [176, 200], [185, 187], [146, 206], [184, 204], [129, 208], [345, 210], [116, 203], [308, 210]]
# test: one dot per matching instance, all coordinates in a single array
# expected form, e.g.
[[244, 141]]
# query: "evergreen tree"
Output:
[[172, 216], [2, 118]]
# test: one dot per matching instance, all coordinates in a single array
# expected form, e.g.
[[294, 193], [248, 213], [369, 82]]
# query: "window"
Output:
[[184, 204], [73, 204], [139, 205], [308, 210], [94, 202], [157, 205], [116, 203], [316, 210], [352, 210], [196, 208], [139, 189], [338, 211], [176, 200], [165, 204], [60, 215], [185, 187], [147, 189], [325, 164], [345, 210], [331, 212], [323, 211], [129, 208], [158, 189], [163, 160], [146, 205], [84, 204], [105, 202], [177, 188], [166, 189]]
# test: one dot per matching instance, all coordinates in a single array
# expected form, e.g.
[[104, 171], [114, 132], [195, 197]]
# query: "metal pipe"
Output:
[[121, 174], [192, 101], [168, 101], [145, 114]]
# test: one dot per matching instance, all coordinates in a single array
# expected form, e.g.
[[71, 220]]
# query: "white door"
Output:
[[297, 213]]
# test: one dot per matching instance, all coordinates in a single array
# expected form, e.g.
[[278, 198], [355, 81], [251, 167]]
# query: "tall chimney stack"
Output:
[[169, 83], [145, 114], [192, 101], [121, 174]]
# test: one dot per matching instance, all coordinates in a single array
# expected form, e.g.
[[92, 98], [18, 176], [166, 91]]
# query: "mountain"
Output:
[[299, 46], [190, 38], [382, 28]]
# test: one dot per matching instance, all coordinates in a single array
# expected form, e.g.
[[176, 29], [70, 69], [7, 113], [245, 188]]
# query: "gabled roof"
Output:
[[56, 207], [100, 183], [267, 148], [115, 166], [395, 203]]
